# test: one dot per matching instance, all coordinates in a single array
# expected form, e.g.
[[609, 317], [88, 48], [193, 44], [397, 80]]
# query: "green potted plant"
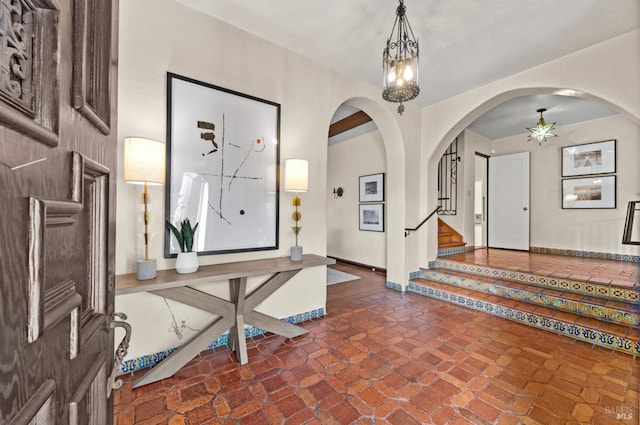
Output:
[[187, 261]]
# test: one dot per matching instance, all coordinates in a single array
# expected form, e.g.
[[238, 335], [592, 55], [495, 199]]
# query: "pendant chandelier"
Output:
[[541, 131], [400, 62]]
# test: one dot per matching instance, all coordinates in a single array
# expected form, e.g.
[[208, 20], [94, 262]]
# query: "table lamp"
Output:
[[144, 163], [296, 179]]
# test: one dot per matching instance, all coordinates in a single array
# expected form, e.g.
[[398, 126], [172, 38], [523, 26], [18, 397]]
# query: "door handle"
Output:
[[121, 351], [525, 208], [483, 206]]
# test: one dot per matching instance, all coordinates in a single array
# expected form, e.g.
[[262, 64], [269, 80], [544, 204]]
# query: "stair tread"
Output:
[[598, 301], [593, 280], [618, 281], [448, 237], [564, 316], [450, 244]]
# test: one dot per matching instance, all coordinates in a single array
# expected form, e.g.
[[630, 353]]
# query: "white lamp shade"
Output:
[[296, 175], [144, 161]]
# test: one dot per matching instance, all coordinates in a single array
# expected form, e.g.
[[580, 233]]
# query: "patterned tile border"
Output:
[[456, 250], [578, 332], [585, 288], [395, 286], [151, 359], [589, 254], [596, 311]]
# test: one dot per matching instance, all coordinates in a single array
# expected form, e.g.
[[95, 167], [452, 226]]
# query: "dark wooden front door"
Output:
[[58, 147]]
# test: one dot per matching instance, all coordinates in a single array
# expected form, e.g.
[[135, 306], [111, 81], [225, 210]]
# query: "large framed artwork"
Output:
[[372, 217], [222, 167], [590, 158], [372, 188], [589, 192]]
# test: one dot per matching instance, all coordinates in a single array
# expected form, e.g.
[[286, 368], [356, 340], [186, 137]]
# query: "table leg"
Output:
[[269, 287], [278, 327], [181, 356], [237, 340]]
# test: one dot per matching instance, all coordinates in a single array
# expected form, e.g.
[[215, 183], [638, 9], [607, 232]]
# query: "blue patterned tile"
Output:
[[588, 254], [593, 336]]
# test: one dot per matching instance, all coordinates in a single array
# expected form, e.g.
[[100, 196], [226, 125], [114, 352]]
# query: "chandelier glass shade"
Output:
[[542, 130], [400, 62]]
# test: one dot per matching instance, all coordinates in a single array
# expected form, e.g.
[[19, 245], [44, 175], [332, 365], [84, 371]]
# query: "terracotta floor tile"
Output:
[[383, 357], [401, 417]]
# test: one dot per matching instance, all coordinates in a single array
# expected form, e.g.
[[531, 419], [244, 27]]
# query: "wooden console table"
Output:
[[233, 314]]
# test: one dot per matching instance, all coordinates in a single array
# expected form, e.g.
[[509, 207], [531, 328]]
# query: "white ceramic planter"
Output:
[[187, 262]]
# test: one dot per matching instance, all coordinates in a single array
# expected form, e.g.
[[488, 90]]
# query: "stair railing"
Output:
[[627, 234], [408, 231]]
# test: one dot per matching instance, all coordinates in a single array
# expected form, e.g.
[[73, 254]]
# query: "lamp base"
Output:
[[146, 269], [296, 253]]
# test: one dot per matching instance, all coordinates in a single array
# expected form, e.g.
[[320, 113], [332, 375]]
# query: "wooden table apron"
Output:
[[233, 313]]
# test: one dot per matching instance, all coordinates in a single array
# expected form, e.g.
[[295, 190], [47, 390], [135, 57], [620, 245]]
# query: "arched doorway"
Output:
[[394, 199], [553, 154]]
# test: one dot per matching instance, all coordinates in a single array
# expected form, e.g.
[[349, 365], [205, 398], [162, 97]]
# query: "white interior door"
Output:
[[509, 201]]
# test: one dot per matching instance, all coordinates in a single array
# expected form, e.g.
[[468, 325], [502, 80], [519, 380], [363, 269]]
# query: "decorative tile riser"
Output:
[[586, 254], [584, 309], [152, 359], [456, 250], [581, 333], [584, 288]]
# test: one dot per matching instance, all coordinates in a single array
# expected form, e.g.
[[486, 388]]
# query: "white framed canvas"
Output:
[[590, 158], [222, 167], [589, 192], [372, 217], [372, 188]]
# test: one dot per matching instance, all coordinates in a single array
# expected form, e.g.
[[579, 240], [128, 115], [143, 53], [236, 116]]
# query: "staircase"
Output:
[[448, 239], [602, 314]]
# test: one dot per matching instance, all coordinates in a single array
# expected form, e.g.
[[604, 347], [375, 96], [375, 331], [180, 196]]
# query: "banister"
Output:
[[408, 231]]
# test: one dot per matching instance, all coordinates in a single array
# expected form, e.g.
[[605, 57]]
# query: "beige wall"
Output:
[[347, 161], [598, 230]]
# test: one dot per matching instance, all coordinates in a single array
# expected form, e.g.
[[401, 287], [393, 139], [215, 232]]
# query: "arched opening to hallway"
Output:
[[363, 228], [356, 167]]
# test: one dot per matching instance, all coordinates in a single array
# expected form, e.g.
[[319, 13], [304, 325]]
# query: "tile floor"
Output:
[[381, 357]]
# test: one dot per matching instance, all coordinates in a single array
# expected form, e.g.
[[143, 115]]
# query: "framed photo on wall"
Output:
[[222, 167], [589, 192], [372, 188], [590, 158], [372, 217]]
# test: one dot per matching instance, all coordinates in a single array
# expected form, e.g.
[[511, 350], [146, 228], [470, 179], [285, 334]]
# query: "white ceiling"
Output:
[[463, 43], [515, 116]]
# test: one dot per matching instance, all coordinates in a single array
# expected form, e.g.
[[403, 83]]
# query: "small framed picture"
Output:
[[590, 158], [372, 188], [589, 192], [372, 217]]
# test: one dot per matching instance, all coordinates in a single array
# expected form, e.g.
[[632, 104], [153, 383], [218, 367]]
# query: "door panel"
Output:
[[57, 211], [509, 201]]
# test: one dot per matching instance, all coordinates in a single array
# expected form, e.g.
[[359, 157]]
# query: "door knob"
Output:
[[525, 208]]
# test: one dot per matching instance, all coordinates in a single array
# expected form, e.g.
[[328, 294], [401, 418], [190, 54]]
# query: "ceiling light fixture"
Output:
[[400, 62], [541, 131]]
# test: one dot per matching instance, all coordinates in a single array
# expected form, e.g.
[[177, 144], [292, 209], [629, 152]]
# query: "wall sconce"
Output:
[[337, 193], [144, 163]]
